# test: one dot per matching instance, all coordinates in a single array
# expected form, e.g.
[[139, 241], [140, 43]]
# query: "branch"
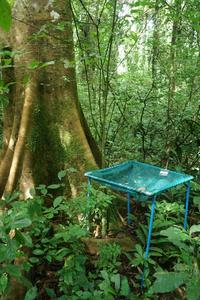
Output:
[[87, 11], [86, 75]]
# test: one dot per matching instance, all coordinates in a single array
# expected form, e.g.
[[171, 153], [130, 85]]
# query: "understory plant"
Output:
[[47, 241], [14, 239], [42, 247], [95, 211], [161, 251], [186, 270]]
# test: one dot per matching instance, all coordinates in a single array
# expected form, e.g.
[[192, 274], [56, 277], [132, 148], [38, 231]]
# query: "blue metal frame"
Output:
[[103, 176], [151, 217], [153, 206], [186, 205], [150, 226]]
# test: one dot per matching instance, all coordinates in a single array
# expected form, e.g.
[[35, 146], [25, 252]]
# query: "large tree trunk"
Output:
[[46, 133]]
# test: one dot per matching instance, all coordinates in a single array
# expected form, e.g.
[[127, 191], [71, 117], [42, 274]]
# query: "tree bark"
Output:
[[47, 130]]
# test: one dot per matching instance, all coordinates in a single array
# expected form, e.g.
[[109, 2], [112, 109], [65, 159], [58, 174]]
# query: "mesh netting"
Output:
[[140, 179]]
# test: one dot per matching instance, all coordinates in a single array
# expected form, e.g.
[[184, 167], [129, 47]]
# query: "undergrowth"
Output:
[[43, 248]]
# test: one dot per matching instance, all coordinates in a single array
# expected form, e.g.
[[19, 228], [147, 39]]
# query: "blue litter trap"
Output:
[[139, 179], [143, 181]]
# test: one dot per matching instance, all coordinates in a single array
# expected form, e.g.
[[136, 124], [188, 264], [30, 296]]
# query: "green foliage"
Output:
[[187, 266], [114, 285], [14, 221], [99, 202], [52, 237], [132, 94], [168, 281], [162, 251], [31, 294], [109, 257], [4, 91], [5, 13], [96, 208], [196, 191], [137, 64], [3, 283], [38, 65]]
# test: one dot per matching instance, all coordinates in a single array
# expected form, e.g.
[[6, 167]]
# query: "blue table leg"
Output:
[[129, 207], [149, 234], [186, 205], [150, 226]]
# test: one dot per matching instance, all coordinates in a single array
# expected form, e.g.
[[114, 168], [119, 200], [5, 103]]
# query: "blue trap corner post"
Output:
[[153, 206], [186, 205]]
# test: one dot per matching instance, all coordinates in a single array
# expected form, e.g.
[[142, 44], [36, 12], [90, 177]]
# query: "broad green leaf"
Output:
[[72, 170], [23, 238], [34, 64], [11, 197], [193, 290], [38, 252], [124, 287], [54, 186], [194, 228], [195, 187], [62, 174], [50, 293], [142, 3], [31, 294], [176, 235], [27, 239], [26, 266], [3, 282], [11, 250], [3, 253], [168, 281], [48, 63], [139, 249], [44, 191], [21, 223], [57, 201], [5, 15], [13, 270], [156, 249], [105, 276], [116, 280], [62, 253], [34, 260], [196, 200]]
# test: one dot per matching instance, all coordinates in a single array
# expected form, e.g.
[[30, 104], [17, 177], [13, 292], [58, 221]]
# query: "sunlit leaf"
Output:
[[168, 281], [5, 15], [31, 294], [3, 282], [57, 201], [62, 174], [194, 228]]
